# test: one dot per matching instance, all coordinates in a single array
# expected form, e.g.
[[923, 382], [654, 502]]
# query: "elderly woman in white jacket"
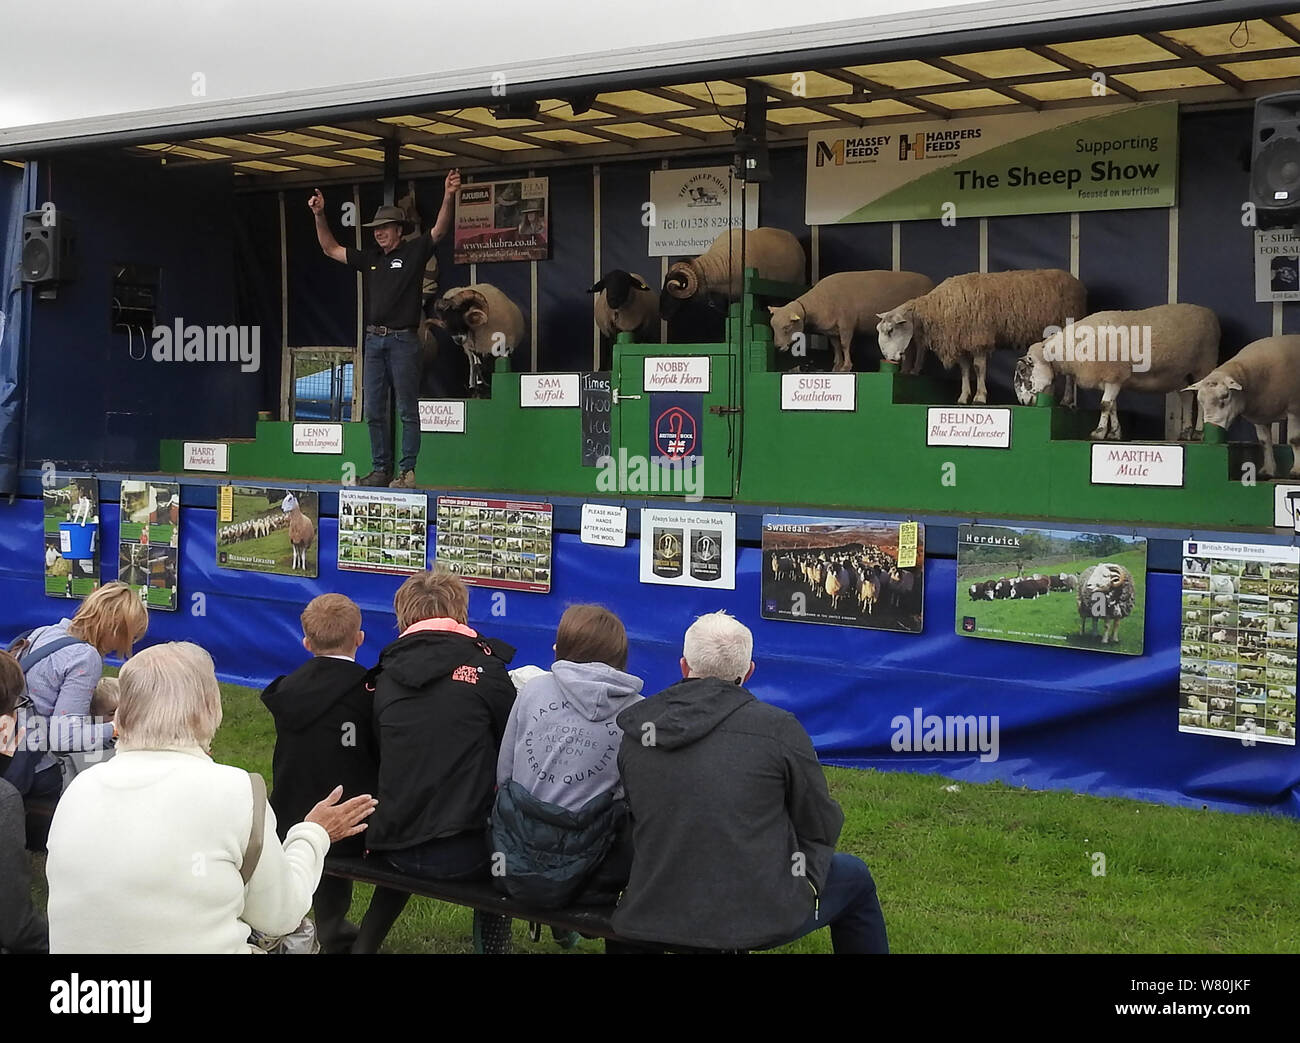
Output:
[[148, 851]]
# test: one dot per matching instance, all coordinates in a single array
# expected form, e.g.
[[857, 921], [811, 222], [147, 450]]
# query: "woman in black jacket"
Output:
[[22, 929]]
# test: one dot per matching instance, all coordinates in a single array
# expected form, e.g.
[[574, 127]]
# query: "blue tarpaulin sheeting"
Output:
[[1067, 719], [17, 196]]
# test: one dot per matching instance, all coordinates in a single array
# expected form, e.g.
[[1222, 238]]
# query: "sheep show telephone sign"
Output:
[[1053, 587], [693, 206], [1237, 655], [984, 166]]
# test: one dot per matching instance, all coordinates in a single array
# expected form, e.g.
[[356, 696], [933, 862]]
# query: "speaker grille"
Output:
[[1277, 172], [37, 259]]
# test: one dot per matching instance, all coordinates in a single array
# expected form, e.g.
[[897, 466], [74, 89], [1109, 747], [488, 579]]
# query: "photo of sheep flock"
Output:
[[1052, 587], [843, 571], [267, 530]]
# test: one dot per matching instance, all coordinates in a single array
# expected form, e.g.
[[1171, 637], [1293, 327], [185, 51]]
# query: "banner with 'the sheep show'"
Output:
[[1057, 161]]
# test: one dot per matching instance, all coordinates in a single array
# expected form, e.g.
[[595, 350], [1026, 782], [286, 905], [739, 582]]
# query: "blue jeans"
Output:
[[392, 364], [850, 907]]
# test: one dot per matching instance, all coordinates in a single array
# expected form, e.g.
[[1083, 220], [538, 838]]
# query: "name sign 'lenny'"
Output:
[[677, 374]]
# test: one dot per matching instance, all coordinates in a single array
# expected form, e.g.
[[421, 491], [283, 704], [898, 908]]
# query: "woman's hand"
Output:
[[342, 820]]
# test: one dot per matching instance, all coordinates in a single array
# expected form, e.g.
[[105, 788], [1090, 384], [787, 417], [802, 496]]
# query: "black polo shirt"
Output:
[[393, 280]]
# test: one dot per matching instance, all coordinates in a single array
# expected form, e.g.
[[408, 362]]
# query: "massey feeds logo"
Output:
[[839, 151]]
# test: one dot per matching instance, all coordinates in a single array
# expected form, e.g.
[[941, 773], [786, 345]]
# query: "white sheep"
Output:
[[1261, 383], [965, 318], [1223, 585], [1106, 592], [1156, 349], [1219, 635], [1195, 703], [774, 252], [1220, 619], [483, 321], [846, 304], [625, 304]]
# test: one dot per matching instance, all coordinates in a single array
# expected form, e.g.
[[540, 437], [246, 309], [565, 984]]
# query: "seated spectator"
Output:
[[161, 850], [22, 928], [559, 811], [324, 737], [442, 698], [63, 664], [733, 828]]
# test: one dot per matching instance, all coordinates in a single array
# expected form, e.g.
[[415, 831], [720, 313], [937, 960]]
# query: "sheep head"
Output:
[[460, 312], [1033, 374], [680, 284], [895, 330], [787, 323], [1221, 398], [289, 503], [618, 286]]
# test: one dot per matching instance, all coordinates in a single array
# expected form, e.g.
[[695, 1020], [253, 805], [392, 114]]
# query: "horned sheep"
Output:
[[1261, 383], [846, 304], [1155, 349], [625, 304], [774, 252], [483, 321], [966, 317], [1106, 592]]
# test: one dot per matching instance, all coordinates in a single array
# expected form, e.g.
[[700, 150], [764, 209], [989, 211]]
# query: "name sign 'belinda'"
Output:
[[975, 426]]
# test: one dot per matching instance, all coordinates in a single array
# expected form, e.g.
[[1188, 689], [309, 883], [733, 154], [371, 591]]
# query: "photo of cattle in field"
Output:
[[1237, 674], [268, 530], [1054, 587], [843, 571]]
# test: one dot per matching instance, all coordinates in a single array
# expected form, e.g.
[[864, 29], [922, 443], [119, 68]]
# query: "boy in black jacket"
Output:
[[324, 738]]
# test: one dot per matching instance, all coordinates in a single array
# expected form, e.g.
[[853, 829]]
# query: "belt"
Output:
[[384, 331]]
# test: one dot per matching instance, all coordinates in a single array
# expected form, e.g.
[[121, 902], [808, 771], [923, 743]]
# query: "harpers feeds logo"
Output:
[[935, 144]]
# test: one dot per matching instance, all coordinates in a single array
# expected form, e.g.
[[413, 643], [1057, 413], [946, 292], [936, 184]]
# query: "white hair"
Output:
[[168, 699], [718, 645]]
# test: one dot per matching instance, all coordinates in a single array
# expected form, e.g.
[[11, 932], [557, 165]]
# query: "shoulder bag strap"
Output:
[[253, 852], [29, 659]]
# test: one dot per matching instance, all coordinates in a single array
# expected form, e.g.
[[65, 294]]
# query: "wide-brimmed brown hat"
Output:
[[387, 215]]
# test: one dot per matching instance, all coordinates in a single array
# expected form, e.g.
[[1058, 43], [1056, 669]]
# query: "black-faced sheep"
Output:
[[1106, 592], [965, 318], [1261, 383], [846, 304], [483, 321], [773, 251], [1155, 349], [625, 304]]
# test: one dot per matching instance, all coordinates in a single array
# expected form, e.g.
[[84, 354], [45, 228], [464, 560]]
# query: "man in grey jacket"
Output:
[[733, 828]]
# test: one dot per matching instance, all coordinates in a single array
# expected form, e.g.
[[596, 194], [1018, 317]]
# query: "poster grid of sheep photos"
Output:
[[1052, 587], [383, 531], [261, 529], [149, 541], [1237, 660], [71, 528], [504, 544]]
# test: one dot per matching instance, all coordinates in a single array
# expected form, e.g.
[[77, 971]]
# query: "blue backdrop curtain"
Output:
[[17, 196]]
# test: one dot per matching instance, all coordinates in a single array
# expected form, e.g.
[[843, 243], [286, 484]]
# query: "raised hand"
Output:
[[316, 203]]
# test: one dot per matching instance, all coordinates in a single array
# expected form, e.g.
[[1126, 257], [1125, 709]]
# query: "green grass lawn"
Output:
[[987, 868], [1056, 613]]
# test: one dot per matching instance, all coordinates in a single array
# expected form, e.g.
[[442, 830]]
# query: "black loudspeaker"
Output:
[[49, 240], [1275, 160]]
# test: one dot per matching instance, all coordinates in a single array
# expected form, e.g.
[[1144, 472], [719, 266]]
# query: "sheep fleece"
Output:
[[504, 316], [773, 251], [1184, 344], [982, 311], [850, 302]]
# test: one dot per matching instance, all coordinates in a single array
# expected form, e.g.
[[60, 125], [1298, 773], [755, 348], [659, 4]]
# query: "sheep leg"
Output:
[[1190, 406], [1104, 421], [1264, 432], [964, 397], [981, 368], [1293, 440], [843, 353], [917, 352], [1070, 399]]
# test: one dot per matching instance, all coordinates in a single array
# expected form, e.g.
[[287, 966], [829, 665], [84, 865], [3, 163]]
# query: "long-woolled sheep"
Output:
[[483, 321], [1261, 383], [625, 304], [1106, 592], [721, 268], [1156, 349], [965, 318], [845, 304]]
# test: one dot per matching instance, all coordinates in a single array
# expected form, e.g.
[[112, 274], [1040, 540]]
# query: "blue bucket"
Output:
[[76, 540]]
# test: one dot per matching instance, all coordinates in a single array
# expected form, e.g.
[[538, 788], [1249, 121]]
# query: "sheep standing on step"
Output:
[[845, 304], [1106, 592], [302, 532], [483, 321], [625, 304], [721, 268], [1261, 383], [966, 318], [1155, 349]]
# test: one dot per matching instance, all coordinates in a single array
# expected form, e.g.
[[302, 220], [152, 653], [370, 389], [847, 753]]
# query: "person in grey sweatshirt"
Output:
[[22, 928], [559, 813]]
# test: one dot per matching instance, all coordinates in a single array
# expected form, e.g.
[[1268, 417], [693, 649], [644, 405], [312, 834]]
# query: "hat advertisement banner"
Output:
[[1055, 161], [502, 221]]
